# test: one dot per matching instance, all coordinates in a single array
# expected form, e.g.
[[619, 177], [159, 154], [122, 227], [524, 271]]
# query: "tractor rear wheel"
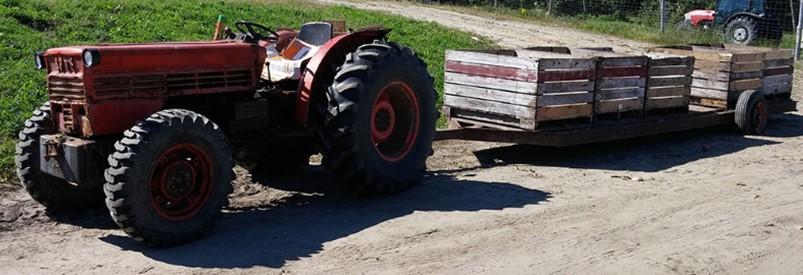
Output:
[[742, 30], [381, 119], [169, 177], [52, 192]]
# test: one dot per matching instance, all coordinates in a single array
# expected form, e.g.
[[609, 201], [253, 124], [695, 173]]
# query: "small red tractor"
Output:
[[158, 128]]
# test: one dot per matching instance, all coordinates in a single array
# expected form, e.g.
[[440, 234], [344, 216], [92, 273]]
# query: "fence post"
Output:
[[799, 31], [663, 15]]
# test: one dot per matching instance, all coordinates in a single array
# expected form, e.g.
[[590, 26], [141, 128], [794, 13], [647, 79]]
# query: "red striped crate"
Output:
[[517, 89]]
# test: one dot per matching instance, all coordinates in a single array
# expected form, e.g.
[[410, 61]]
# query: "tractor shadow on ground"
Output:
[[648, 154], [301, 225]]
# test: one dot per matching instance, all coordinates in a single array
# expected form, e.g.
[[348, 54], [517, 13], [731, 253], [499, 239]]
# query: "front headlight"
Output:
[[91, 57], [39, 60]]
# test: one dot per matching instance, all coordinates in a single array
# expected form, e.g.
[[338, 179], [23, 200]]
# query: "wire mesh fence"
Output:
[[769, 23]]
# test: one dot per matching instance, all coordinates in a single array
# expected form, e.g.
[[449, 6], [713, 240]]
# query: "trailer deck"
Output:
[[697, 117]]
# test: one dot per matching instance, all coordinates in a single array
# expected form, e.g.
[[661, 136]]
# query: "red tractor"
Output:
[[157, 128]]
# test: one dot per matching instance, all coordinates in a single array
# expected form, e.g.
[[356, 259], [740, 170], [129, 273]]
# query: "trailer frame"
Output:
[[697, 117]]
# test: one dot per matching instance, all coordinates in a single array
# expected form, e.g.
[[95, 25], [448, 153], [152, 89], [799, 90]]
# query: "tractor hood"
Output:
[[707, 14], [88, 83], [108, 58], [698, 17]]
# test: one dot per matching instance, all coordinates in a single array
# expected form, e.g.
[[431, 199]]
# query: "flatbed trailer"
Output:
[[697, 117]]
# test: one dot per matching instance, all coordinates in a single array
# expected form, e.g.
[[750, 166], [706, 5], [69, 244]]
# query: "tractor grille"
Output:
[[151, 85], [65, 87]]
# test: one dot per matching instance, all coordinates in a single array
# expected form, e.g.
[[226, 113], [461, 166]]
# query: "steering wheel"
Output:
[[250, 29]]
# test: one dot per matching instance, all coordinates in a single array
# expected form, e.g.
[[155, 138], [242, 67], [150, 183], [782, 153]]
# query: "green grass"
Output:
[[27, 26]]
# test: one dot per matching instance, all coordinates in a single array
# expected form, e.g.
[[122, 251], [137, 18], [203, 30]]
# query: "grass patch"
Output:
[[27, 26]]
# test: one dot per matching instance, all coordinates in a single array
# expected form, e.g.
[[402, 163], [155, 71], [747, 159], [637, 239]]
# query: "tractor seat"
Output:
[[315, 33], [287, 64]]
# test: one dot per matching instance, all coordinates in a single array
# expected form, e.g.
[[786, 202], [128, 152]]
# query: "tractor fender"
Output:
[[742, 14], [321, 68]]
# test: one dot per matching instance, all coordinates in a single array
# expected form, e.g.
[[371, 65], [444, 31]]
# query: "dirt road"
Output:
[[705, 201]]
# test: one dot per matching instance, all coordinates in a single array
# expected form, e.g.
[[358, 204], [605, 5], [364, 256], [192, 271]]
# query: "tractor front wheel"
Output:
[[742, 30], [52, 192], [381, 119], [169, 177]]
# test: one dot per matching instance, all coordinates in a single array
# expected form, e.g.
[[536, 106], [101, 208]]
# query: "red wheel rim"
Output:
[[181, 181], [394, 121], [760, 116]]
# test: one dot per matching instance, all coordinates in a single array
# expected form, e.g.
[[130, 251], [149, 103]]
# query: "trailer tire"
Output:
[[54, 193], [381, 118], [169, 177], [752, 113]]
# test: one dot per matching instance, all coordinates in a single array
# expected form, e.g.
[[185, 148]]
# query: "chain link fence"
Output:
[[768, 23]]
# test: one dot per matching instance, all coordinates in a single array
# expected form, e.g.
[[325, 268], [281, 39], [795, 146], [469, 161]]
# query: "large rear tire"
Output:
[[169, 177], [381, 119], [54, 193]]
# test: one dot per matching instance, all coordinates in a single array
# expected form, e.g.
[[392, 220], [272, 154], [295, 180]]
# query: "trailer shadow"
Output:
[[648, 154], [301, 225]]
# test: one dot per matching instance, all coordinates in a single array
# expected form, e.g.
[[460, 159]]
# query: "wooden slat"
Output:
[[738, 85], [616, 106], [563, 112], [620, 94], [726, 76], [716, 103], [671, 61], [670, 70], [779, 71], [494, 71], [629, 61], [779, 63], [565, 87], [709, 93], [746, 67], [777, 79], [620, 83], [520, 112], [666, 103], [489, 94], [563, 75], [622, 72], [748, 57], [670, 81], [567, 63], [490, 59], [783, 88], [489, 82], [668, 91], [564, 99]]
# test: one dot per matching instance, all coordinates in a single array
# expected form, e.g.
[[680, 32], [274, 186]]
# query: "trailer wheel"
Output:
[[169, 177], [752, 113], [381, 119], [52, 192]]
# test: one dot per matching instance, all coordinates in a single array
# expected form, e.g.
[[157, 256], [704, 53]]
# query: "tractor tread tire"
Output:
[[129, 171], [54, 193], [346, 157], [749, 23]]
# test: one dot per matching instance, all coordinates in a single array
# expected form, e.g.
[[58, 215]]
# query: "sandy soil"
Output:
[[707, 201]]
